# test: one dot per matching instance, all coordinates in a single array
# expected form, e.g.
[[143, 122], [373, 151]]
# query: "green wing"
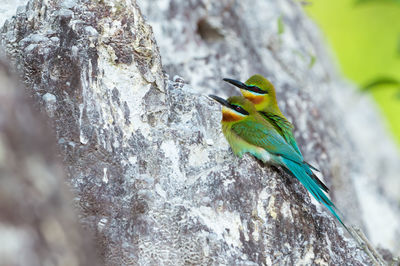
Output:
[[260, 135], [284, 128]]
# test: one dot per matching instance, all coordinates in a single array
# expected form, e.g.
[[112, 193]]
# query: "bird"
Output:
[[247, 131], [261, 92]]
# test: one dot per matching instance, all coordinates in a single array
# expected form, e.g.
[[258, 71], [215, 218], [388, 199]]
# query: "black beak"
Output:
[[220, 100], [243, 86], [236, 83]]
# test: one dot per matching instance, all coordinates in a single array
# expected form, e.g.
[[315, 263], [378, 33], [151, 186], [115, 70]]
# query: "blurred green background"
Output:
[[365, 37]]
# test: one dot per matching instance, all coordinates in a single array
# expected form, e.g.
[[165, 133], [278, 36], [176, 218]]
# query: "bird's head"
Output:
[[235, 108], [258, 90]]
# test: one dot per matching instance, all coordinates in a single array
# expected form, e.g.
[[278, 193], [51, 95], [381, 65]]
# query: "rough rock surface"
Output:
[[37, 223], [338, 130], [151, 173]]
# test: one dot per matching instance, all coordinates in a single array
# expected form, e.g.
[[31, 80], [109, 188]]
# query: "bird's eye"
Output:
[[258, 90], [237, 108]]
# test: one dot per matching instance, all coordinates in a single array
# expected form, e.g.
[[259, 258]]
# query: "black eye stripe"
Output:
[[256, 89], [239, 109]]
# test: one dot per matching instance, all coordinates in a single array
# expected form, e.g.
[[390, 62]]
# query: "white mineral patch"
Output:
[[8, 8], [74, 50], [198, 156], [307, 258], [82, 138], [50, 103], [227, 182], [130, 85], [262, 198], [209, 142], [245, 231], [116, 144], [179, 79], [91, 31], [271, 207], [49, 98], [256, 233], [132, 160], [30, 47], [102, 223], [224, 224], [68, 3], [160, 191], [66, 13], [171, 152], [71, 143], [37, 38], [105, 177], [320, 262]]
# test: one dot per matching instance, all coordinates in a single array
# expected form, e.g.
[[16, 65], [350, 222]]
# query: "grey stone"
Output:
[[38, 225], [338, 129], [152, 175]]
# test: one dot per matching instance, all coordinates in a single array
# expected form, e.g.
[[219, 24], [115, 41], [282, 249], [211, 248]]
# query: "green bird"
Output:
[[247, 131], [261, 93]]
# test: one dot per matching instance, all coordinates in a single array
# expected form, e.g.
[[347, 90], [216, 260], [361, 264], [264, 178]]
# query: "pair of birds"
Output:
[[253, 123]]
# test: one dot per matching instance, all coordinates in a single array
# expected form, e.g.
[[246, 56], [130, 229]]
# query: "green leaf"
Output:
[[388, 81]]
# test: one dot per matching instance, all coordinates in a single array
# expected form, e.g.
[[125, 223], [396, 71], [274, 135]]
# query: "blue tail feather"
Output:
[[312, 186], [307, 168]]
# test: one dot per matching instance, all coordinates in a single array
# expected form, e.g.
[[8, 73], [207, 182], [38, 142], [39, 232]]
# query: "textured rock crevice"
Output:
[[152, 176]]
